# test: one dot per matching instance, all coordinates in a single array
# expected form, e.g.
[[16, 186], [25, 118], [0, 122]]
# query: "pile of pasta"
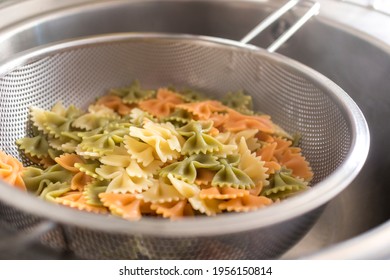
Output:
[[165, 153]]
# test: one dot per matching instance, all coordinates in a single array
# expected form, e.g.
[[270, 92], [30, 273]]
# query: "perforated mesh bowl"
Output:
[[335, 139]]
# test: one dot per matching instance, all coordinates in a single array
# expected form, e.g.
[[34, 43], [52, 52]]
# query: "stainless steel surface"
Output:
[[335, 137], [313, 9], [348, 43], [382, 6]]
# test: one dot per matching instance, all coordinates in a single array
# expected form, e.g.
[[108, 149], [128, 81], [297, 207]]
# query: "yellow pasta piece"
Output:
[[138, 150], [120, 157], [210, 207], [121, 181], [250, 138], [161, 191], [252, 165], [142, 152], [187, 190], [163, 138]]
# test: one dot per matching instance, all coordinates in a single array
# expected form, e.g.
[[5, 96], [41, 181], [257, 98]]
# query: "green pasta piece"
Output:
[[84, 134], [103, 142], [37, 179], [37, 146], [89, 168], [230, 176], [239, 101], [56, 124], [71, 135], [92, 121], [54, 190], [179, 117], [118, 128], [198, 140], [133, 93], [283, 185], [156, 160], [190, 95], [71, 112], [53, 153], [283, 192], [92, 191], [56, 121], [296, 138], [186, 170], [67, 142]]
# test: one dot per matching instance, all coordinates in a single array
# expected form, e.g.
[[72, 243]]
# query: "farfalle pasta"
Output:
[[158, 152], [11, 170]]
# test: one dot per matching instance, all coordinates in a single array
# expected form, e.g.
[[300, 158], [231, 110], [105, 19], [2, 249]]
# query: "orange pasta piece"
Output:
[[125, 205], [203, 110], [80, 180], [68, 161], [11, 170], [218, 119], [281, 147], [204, 176], [238, 122], [245, 203], [267, 155], [173, 210], [76, 199], [222, 193], [45, 161], [264, 137], [256, 190], [115, 103], [297, 163], [280, 153], [163, 105]]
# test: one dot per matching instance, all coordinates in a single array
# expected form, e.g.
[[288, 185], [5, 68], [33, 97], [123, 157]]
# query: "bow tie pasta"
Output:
[[159, 152]]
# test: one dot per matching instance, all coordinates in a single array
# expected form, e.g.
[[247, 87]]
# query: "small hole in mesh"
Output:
[[78, 76]]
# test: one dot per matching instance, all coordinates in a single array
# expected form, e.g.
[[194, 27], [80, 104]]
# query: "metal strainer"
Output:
[[335, 139]]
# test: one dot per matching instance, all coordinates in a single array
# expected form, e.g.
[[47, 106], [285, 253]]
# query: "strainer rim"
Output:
[[303, 203]]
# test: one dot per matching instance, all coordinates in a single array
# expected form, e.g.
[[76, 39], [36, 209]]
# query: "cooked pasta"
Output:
[[159, 152], [11, 171]]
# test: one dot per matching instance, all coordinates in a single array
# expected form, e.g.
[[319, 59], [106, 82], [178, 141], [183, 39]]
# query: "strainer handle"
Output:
[[313, 10]]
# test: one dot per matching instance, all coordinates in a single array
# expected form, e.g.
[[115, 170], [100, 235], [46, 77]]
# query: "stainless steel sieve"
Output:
[[335, 139]]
